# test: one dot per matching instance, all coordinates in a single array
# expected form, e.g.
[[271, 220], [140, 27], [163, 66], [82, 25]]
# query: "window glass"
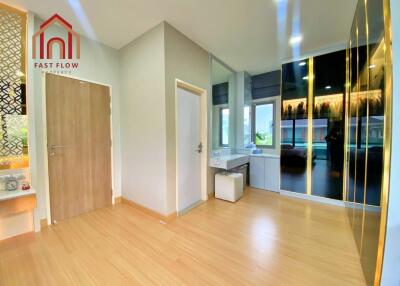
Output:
[[224, 126], [264, 124], [246, 125]]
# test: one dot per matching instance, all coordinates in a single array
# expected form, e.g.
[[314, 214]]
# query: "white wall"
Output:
[[391, 262], [187, 61], [98, 63], [143, 136]]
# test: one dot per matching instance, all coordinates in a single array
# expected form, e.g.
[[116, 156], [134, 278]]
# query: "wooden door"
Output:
[[78, 146]]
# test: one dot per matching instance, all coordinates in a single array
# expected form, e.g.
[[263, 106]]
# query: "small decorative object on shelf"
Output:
[[11, 183], [25, 186]]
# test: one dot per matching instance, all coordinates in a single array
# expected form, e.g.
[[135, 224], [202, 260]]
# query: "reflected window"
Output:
[[287, 132], [300, 134], [264, 124], [224, 127], [246, 125]]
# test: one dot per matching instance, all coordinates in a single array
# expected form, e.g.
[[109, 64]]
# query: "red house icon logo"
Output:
[[66, 49]]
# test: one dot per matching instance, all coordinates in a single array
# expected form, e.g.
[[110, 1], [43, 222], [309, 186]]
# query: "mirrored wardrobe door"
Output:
[[374, 137], [294, 126], [328, 125]]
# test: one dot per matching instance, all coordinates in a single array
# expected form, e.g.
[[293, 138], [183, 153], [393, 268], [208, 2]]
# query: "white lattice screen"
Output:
[[12, 87]]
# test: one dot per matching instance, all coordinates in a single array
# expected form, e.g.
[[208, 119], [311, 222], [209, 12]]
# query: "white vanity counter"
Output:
[[265, 155], [229, 161], [9, 195]]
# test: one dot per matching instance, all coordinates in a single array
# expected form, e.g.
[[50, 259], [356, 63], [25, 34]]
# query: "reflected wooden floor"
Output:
[[264, 239]]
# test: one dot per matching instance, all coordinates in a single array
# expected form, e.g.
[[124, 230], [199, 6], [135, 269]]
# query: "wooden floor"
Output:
[[264, 239]]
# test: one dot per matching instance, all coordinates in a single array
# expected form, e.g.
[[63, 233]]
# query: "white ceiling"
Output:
[[242, 33]]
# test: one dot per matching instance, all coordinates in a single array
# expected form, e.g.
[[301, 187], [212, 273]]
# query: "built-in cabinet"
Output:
[[265, 172]]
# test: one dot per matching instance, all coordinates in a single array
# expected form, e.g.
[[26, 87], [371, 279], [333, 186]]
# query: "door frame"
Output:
[[203, 137], [44, 130]]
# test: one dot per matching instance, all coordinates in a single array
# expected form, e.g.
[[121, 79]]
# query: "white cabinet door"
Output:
[[272, 174], [257, 172]]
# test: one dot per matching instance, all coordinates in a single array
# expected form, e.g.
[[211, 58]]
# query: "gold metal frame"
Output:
[[387, 141], [346, 124], [310, 115], [366, 126]]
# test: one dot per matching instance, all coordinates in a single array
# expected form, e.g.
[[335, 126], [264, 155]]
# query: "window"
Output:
[[224, 127], [264, 134], [246, 125]]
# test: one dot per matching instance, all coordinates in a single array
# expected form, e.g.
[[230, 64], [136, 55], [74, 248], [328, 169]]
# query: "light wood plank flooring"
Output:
[[264, 239]]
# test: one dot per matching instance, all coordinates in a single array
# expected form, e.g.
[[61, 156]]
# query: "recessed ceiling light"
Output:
[[305, 78], [296, 40], [372, 66], [328, 87], [302, 64]]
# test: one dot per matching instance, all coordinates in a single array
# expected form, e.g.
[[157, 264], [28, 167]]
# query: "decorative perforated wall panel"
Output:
[[12, 26]]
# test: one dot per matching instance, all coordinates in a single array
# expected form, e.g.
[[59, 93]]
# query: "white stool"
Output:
[[229, 186]]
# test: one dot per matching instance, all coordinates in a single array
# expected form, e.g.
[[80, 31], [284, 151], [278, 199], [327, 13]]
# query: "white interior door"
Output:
[[189, 156]]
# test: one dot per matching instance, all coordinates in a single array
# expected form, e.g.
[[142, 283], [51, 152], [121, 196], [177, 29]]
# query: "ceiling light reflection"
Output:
[[82, 18], [296, 40]]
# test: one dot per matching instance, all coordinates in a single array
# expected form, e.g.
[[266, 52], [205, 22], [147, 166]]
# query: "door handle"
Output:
[[53, 149], [199, 148]]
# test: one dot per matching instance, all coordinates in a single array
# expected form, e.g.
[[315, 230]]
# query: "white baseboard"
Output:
[[189, 208]]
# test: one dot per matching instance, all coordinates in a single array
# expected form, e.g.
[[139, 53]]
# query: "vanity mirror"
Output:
[[223, 86]]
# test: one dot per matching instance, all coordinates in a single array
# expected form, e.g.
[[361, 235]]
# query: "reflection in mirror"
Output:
[[221, 111], [294, 128]]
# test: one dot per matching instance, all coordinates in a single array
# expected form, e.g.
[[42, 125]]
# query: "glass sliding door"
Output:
[[294, 126]]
